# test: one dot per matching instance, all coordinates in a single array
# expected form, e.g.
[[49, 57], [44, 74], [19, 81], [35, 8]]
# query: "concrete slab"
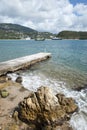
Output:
[[21, 63]]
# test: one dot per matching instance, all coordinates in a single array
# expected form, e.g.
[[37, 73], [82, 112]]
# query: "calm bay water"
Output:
[[66, 69]]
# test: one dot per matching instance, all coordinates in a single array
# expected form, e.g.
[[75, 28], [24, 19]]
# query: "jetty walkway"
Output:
[[22, 63]]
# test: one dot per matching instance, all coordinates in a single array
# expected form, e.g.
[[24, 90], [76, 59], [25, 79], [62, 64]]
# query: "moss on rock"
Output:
[[4, 93]]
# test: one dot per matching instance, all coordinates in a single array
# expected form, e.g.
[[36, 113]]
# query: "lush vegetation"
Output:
[[72, 35]]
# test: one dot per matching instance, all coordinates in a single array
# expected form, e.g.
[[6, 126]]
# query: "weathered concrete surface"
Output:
[[23, 62]]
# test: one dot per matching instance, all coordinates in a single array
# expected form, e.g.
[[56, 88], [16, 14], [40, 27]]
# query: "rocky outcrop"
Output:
[[44, 109]]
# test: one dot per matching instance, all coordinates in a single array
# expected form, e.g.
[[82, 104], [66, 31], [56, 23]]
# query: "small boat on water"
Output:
[[27, 38], [56, 38]]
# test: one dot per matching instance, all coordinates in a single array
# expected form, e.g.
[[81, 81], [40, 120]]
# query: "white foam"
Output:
[[32, 81], [79, 121]]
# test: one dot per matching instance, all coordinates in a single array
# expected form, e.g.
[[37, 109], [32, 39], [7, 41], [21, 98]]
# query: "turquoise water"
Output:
[[68, 62], [66, 69]]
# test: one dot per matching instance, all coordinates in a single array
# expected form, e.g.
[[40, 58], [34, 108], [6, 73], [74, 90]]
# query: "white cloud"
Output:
[[81, 9], [47, 15]]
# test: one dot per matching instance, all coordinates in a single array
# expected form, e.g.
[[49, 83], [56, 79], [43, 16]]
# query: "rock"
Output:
[[46, 99], [43, 108], [67, 103], [4, 93], [31, 109], [62, 127], [12, 127], [19, 79]]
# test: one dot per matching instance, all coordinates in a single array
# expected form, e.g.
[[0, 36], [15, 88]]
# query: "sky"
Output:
[[45, 15], [74, 2]]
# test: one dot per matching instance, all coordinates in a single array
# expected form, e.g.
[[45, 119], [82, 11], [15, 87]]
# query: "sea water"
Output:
[[66, 69]]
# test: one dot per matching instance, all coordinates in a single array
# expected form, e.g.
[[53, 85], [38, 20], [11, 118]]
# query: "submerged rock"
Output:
[[44, 109]]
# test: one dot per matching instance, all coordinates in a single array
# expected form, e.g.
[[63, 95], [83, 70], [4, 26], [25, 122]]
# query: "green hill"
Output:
[[72, 35], [15, 31], [15, 27]]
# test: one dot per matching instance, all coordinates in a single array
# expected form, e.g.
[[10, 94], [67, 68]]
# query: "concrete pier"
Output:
[[21, 63]]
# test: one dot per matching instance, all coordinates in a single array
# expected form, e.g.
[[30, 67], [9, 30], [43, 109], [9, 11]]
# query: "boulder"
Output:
[[43, 108], [19, 79]]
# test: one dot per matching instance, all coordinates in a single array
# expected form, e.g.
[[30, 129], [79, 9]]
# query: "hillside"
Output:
[[15, 27], [15, 31], [72, 35]]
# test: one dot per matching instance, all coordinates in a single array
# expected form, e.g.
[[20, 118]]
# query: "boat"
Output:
[[27, 38], [56, 38]]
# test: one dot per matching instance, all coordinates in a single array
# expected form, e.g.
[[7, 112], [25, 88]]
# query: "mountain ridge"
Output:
[[15, 31], [16, 27]]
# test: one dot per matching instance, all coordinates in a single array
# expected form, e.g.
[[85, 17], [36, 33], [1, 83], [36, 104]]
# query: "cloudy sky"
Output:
[[45, 15]]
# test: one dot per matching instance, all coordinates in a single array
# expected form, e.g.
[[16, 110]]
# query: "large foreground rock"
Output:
[[43, 109]]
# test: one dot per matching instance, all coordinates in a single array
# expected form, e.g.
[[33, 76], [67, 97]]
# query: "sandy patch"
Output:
[[7, 105]]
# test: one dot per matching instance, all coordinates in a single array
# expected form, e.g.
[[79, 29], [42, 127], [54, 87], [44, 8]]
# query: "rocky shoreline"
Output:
[[41, 110]]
